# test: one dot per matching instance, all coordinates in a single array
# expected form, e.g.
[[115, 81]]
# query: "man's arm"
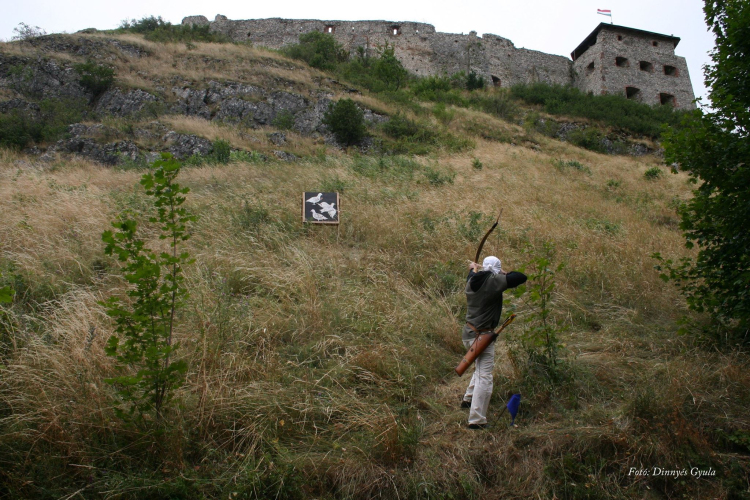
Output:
[[515, 279]]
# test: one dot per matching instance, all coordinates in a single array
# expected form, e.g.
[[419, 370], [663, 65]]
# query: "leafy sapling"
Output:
[[144, 347]]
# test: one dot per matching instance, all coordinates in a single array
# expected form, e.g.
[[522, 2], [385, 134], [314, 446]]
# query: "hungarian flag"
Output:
[[604, 12]]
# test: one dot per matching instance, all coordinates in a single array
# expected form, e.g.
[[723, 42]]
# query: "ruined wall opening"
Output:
[[590, 68], [633, 93], [646, 66], [667, 100], [670, 70], [622, 62], [495, 81], [395, 30], [655, 43], [619, 38], [248, 34], [329, 29]]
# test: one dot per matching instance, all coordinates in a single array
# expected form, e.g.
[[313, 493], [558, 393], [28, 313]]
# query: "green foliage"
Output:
[[221, 151], [157, 29], [346, 121], [476, 164], [653, 173], [284, 120], [563, 165], [388, 69], [588, 138], [19, 128], [539, 339], [437, 178], [143, 346], [496, 102], [613, 110], [474, 82], [714, 148], [319, 50], [96, 78]]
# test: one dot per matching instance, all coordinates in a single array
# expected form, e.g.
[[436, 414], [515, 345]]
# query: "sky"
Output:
[[552, 26]]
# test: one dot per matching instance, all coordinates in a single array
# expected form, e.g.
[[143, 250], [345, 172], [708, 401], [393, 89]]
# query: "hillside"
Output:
[[320, 359]]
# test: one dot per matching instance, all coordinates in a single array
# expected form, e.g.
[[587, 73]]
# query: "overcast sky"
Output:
[[552, 26]]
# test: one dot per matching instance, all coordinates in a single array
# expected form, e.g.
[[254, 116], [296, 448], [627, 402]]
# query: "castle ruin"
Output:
[[636, 64]]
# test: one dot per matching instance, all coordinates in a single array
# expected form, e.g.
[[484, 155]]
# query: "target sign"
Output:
[[320, 208]]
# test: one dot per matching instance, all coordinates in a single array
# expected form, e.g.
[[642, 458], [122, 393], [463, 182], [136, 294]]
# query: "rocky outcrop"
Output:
[[109, 154], [119, 103], [184, 146], [91, 48], [40, 78]]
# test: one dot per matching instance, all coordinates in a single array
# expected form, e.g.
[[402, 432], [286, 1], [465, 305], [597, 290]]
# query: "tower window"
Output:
[[646, 66], [395, 30], [667, 100], [590, 68], [330, 29], [670, 71], [633, 93], [655, 43], [622, 62], [619, 37]]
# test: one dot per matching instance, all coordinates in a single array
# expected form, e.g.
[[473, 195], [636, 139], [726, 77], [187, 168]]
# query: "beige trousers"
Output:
[[480, 386]]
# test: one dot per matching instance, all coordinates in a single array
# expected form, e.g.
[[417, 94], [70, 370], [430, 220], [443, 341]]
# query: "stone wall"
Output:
[[425, 52], [421, 49], [629, 64]]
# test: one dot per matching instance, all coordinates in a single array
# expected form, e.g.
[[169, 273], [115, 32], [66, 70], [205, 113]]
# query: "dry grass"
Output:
[[321, 357]]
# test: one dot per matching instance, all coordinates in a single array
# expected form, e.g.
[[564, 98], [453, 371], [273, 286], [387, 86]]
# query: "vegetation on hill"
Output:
[[156, 29], [318, 360], [714, 148]]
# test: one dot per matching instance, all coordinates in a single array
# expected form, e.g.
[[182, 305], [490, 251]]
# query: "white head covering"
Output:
[[492, 263]]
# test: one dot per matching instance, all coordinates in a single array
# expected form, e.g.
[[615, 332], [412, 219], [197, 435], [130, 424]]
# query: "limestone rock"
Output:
[[184, 146], [117, 103]]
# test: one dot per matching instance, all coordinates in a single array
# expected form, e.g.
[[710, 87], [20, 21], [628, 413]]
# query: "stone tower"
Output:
[[637, 64]]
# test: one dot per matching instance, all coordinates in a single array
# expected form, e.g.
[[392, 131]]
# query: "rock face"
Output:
[[184, 146], [40, 78], [115, 102]]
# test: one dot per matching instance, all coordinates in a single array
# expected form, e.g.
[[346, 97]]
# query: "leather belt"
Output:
[[479, 332]]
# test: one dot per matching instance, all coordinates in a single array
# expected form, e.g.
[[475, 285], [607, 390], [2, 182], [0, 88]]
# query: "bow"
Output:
[[479, 250]]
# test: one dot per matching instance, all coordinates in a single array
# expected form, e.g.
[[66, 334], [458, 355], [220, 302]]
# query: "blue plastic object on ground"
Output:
[[513, 404]]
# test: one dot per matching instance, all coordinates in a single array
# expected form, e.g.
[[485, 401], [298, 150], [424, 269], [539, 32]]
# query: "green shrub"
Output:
[[476, 164], [319, 50], [283, 120], [96, 78], [574, 164], [474, 82], [221, 151], [613, 110], [588, 138], [497, 103], [19, 128], [346, 121], [157, 29], [653, 173], [445, 116], [437, 178]]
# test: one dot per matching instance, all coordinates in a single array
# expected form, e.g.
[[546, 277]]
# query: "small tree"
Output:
[[96, 78], [346, 121], [539, 339], [143, 346], [25, 32], [388, 69]]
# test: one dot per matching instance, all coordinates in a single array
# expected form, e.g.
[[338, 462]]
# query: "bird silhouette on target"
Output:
[[320, 208]]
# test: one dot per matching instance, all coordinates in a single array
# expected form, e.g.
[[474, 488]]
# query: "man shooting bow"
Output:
[[484, 300]]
